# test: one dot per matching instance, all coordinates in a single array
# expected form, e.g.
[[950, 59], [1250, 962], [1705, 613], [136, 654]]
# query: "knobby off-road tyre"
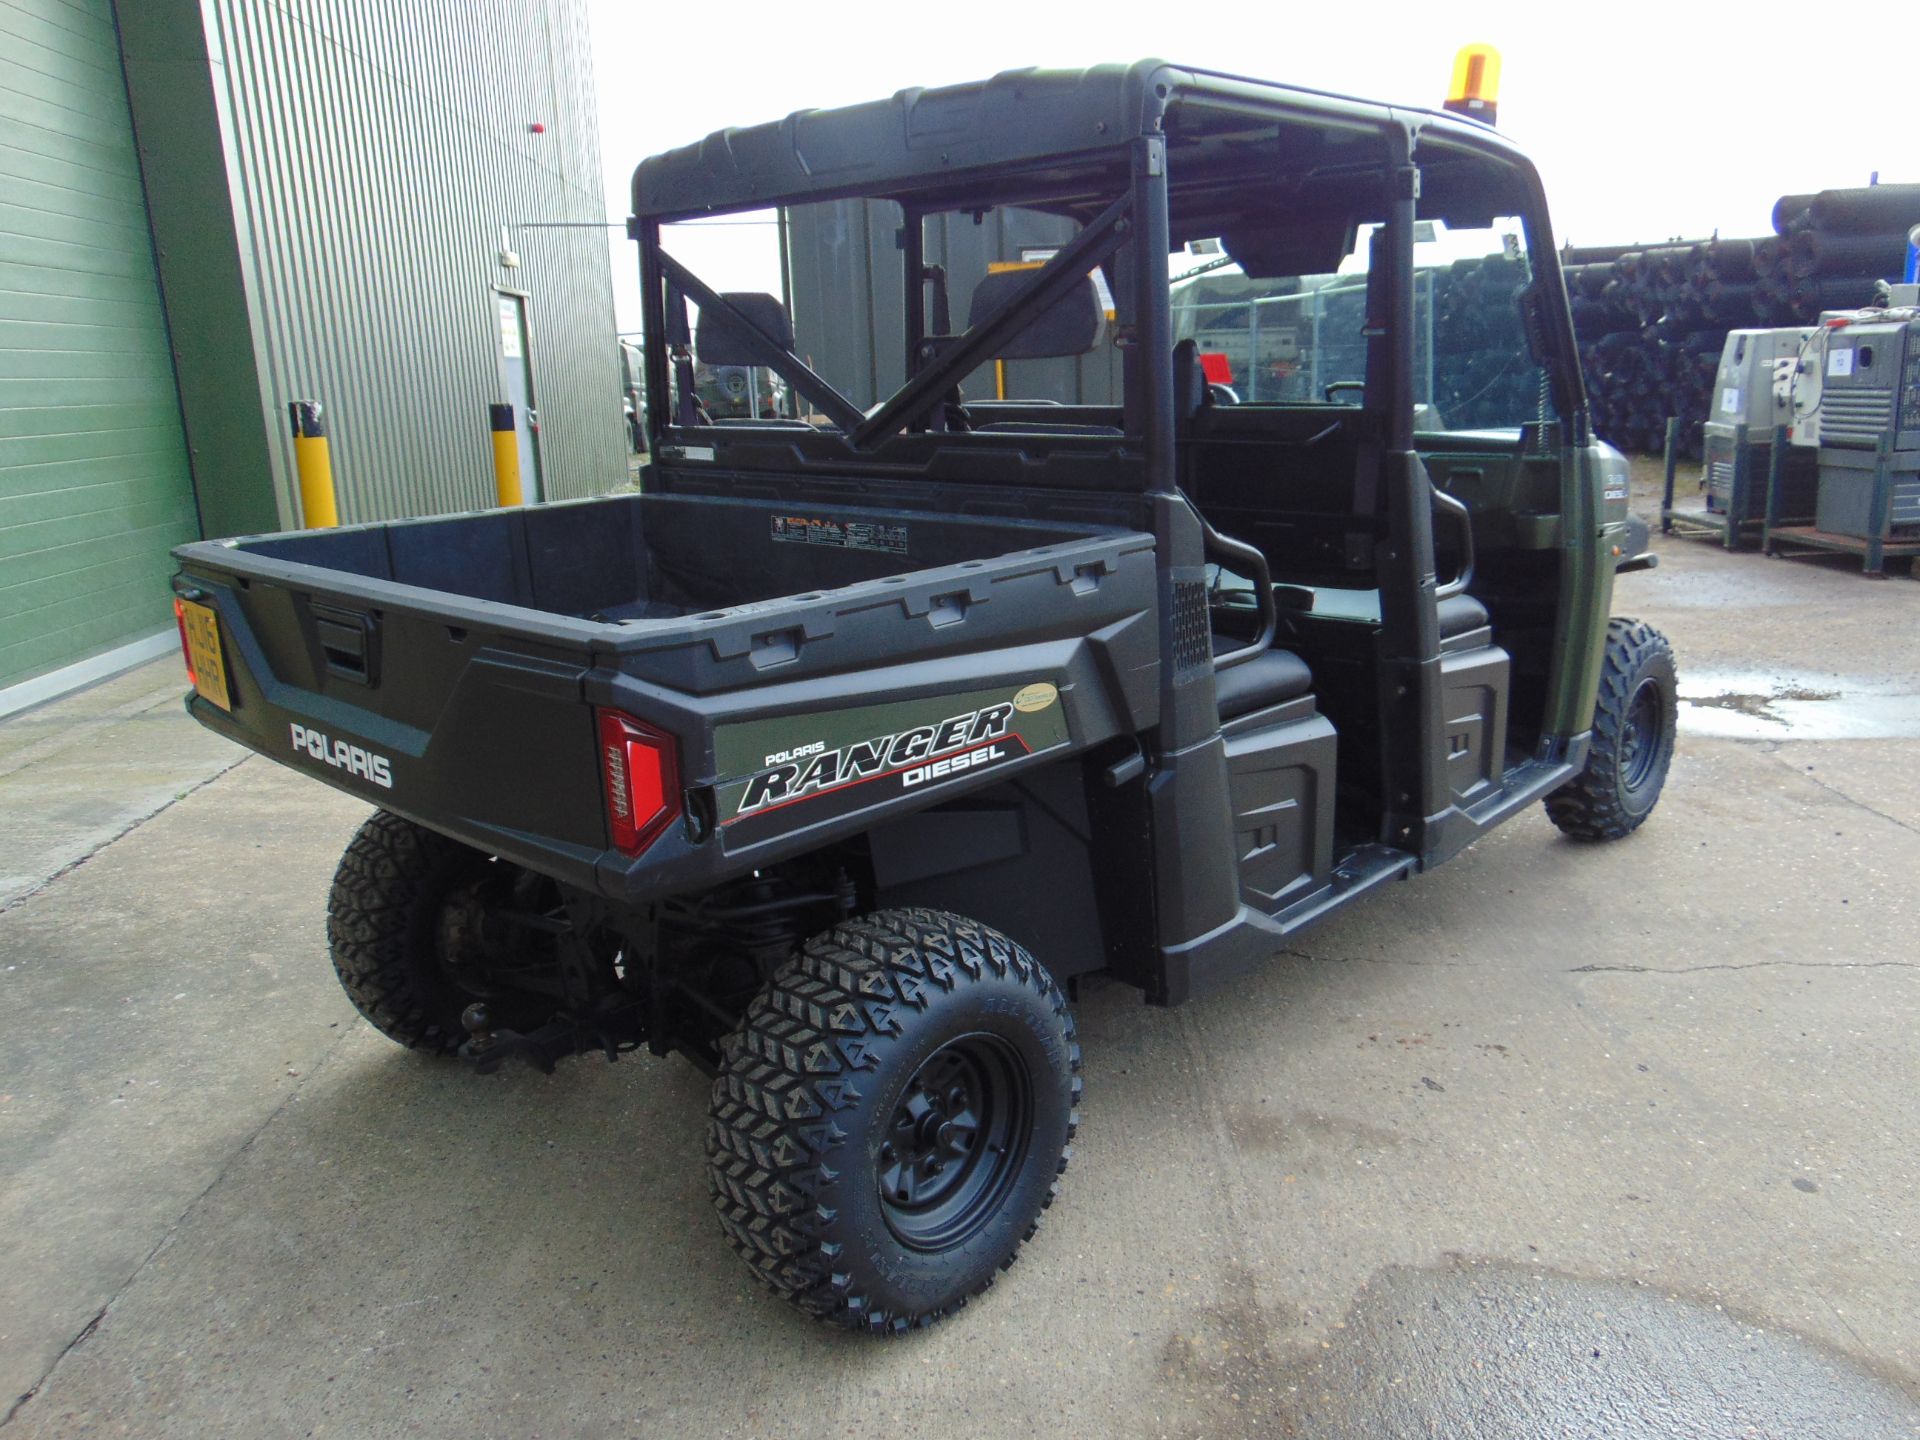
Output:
[[387, 933], [1633, 736], [891, 1117]]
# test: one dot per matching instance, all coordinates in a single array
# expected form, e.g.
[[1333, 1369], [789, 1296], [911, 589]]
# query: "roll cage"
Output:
[[1143, 158]]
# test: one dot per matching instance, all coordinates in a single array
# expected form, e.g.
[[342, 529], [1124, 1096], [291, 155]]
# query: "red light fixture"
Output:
[[641, 772], [537, 128]]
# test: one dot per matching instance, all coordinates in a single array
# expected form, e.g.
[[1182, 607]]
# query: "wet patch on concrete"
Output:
[[1222, 1365], [1309, 1137], [1757, 706], [1495, 1349]]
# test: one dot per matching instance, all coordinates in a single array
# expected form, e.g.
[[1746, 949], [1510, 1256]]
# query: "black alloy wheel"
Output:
[[891, 1117]]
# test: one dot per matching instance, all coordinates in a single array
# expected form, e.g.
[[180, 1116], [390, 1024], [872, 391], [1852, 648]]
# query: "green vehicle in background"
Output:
[[841, 754]]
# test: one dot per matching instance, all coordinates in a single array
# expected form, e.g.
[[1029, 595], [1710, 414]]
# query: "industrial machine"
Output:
[[1869, 434], [1856, 408], [1753, 393]]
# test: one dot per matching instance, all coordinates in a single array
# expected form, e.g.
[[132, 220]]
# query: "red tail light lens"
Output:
[[186, 650], [641, 772]]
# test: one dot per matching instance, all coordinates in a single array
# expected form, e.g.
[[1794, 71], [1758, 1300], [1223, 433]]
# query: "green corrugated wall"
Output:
[[94, 483]]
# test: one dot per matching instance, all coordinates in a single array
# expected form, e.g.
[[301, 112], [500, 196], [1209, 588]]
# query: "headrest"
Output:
[[1072, 325], [718, 341]]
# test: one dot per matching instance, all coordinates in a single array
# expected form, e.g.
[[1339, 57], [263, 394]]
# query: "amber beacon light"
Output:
[[1475, 91]]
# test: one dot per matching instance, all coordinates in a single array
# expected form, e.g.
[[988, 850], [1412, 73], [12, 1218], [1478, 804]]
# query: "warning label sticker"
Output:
[[873, 535]]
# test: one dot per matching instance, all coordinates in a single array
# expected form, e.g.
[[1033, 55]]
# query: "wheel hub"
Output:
[[1640, 742], [953, 1141]]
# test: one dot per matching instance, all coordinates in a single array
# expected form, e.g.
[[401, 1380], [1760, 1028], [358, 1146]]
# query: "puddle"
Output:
[[1750, 705], [1504, 1350]]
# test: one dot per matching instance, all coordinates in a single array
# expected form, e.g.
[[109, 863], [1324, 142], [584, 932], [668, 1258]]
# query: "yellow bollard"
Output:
[[314, 461], [506, 455]]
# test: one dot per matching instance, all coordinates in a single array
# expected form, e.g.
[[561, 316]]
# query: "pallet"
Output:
[[1698, 523], [1690, 523], [1871, 552]]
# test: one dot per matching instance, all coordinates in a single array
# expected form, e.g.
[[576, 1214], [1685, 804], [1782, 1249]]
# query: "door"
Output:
[[516, 385]]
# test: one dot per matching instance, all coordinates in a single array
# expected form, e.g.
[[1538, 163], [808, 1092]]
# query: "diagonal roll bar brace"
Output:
[[1092, 245], [835, 406]]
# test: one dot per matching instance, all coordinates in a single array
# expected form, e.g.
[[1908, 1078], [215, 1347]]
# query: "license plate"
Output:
[[203, 650]]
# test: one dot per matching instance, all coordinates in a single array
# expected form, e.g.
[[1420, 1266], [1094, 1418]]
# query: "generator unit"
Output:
[[1754, 388], [1857, 401]]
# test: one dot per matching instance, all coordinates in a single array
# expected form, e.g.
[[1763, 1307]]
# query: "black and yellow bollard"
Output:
[[506, 455], [314, 461]]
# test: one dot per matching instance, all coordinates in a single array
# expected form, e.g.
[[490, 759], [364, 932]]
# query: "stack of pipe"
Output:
[[1652, 320]]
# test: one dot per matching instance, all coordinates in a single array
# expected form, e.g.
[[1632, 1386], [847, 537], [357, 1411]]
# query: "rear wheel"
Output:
[[892, 1116], [408, 924], [1634, 724]]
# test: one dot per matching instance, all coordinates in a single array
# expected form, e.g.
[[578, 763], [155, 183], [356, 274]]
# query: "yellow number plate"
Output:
[[203, 649]]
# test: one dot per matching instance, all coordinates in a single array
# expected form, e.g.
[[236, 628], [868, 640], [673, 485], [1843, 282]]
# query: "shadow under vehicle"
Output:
[[836, 757]]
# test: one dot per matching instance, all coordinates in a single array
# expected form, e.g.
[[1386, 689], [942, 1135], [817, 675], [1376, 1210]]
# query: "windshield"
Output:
[[1301, 338]]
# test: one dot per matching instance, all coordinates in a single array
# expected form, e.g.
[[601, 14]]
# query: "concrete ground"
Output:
[[1557, 1141]]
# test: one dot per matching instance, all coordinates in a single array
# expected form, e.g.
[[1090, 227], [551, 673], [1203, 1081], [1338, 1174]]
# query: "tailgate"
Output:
[[432, 707]]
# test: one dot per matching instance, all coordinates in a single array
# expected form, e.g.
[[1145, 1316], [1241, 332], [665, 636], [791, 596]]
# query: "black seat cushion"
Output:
[[1268, 679], [1459, 614]]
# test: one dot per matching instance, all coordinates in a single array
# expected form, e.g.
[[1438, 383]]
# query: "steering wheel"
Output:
[[1335, 387]]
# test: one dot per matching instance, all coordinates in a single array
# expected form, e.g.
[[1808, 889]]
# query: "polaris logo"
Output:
[[916, 752], [342, 756]]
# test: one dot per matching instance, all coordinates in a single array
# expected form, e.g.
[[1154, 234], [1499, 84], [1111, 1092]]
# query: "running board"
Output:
[[1525, 783], [1357, 873], [1251, 938]]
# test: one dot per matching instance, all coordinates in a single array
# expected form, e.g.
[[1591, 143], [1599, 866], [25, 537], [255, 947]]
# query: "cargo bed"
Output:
[[451, 669]]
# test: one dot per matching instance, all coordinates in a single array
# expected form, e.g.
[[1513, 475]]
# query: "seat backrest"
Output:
[[718, 340], [1073, 325], [1284, 478]]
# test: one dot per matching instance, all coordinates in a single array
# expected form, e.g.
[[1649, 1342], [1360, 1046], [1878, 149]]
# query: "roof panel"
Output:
[[941, 143]]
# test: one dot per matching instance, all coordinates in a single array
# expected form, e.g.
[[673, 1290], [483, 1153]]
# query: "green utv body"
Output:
[[840, 754]]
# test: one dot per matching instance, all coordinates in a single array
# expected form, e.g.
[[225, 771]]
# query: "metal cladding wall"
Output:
[[329, 182], [848, 291], [94, 486]]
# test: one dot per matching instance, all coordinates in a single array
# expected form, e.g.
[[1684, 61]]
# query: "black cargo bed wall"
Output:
[[707, 552], [640, 556], [565, 559]]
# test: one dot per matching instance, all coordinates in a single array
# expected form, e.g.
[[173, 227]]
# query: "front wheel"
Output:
[[1634, 723], [892, 1116]]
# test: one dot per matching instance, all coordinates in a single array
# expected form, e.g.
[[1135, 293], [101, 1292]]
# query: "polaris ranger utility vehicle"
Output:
[[839, 755]]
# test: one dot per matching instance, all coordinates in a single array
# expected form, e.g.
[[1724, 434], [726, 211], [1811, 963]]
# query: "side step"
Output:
[[1360, 871], [1250, 939]]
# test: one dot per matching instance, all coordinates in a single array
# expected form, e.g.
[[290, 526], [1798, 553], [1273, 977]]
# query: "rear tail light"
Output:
[[641, 772], [186, 650]]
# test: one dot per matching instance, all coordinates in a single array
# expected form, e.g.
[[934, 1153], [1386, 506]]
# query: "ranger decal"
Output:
[[846, 760]]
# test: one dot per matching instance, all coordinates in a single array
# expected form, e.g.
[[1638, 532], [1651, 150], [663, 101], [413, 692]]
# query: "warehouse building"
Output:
[[210, 209]]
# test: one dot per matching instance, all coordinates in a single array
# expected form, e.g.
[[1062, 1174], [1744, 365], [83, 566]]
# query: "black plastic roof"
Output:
[[923, 143]]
